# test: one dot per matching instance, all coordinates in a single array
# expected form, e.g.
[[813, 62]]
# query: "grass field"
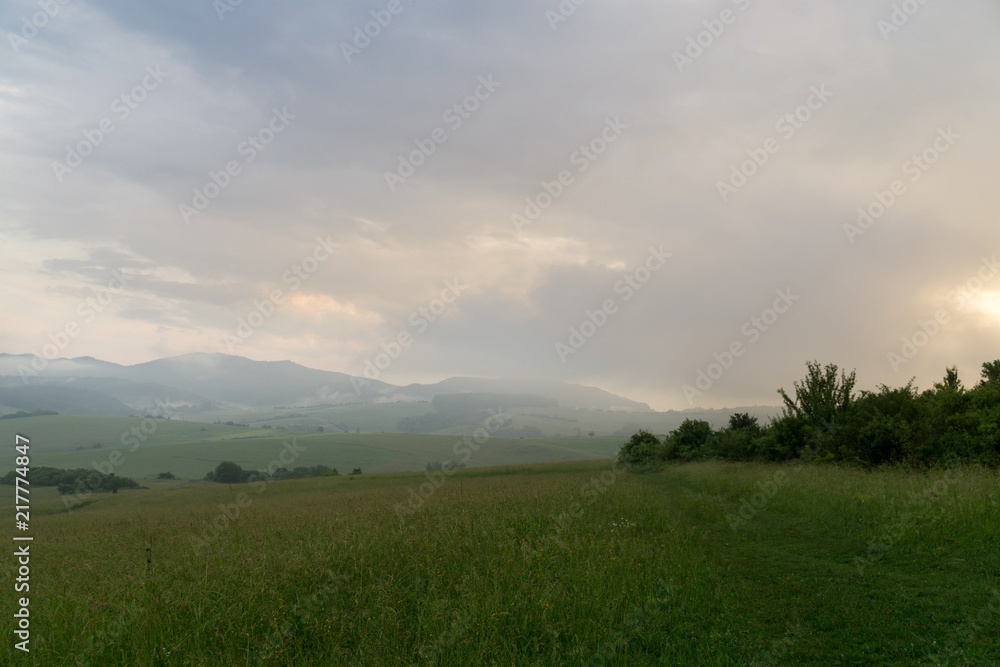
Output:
[[372, 452], [552, 422], [191, 449], [582, 563], [68, 433]]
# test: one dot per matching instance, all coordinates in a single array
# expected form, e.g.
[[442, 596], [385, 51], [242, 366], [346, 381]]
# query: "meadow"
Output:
[[549, 422], [560, 564], [190, 449]]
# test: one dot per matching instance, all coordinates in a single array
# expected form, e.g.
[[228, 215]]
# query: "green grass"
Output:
[[550, 564], [552, 422], [369, 417], [66, 433], [372, 452]]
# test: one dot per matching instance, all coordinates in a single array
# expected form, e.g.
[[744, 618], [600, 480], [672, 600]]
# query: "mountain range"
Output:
[[201, 382]]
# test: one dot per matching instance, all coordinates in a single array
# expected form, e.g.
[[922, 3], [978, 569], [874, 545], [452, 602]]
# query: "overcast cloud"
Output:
[[115, 115]]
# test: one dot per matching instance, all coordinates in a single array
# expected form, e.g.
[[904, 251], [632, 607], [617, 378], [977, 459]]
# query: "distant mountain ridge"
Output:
[[199, 380], [568, 395]]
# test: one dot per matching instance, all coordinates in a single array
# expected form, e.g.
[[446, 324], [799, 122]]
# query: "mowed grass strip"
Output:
[[543, 565]]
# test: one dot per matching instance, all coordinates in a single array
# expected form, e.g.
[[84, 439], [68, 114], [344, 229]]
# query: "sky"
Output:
[[681, 202]]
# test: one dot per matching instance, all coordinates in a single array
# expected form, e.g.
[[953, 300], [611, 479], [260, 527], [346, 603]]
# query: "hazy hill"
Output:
[[146, 397], [194, 380], [242, 381], [568, 395], [18, 365], [64, 400]]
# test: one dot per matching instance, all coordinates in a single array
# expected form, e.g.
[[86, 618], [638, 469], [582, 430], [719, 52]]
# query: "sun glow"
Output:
[[988, 303]]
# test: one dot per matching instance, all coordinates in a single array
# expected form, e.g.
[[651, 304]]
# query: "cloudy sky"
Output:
[[607, 193]]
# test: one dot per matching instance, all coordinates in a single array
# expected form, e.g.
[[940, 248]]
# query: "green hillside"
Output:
[[190, 458], [550, 422], [579, 564], [368, 417], [82, 432]]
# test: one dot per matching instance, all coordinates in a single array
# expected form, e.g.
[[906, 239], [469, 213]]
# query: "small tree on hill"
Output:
[[228, 472], [742, 421]]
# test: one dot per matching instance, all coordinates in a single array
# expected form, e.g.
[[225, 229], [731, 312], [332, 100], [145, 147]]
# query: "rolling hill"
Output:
[[200, 382]]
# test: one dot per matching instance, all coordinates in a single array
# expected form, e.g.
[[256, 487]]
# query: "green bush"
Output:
[[826, 421]]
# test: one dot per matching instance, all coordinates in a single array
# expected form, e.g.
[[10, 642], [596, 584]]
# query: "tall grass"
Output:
[[548, 565]]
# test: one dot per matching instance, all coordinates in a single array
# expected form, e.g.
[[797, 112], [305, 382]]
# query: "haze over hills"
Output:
[[210, 381], [568, 395], [61, 399]]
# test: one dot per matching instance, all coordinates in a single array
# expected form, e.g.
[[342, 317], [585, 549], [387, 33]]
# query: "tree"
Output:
[[991, 373], [113, 482], [228, 472], [689, 440], [742, 421], [642, 447], [821, 396], [736, 442], [821, 400], [950, 383]]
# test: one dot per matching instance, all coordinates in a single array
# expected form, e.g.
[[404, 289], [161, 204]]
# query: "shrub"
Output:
[[642, 448]]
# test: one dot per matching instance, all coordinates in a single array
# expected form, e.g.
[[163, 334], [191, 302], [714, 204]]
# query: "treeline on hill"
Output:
[[472, 409], [487, 401], [442, 419], [36, 413], [826, 421], [74, 481], [229, 472]]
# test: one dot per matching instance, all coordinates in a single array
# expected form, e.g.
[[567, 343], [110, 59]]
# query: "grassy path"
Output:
[[886, 568]]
